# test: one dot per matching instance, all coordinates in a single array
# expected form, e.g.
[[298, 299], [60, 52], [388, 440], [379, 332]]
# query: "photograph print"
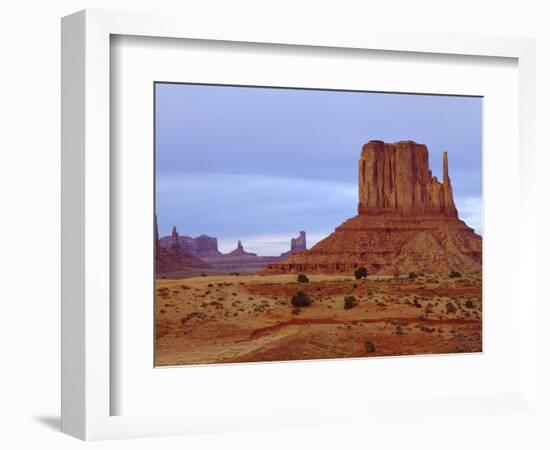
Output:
[[299, 224]]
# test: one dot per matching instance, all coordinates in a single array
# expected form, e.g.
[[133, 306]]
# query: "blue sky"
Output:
[[260, 164]]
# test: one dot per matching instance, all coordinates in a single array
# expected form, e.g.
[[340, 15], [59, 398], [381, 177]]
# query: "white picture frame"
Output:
[[87, 386]]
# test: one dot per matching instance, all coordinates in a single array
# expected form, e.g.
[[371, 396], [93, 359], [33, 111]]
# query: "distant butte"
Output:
[[201, 246], [297, 244], [407, 221], [240, 251], [174, 260]]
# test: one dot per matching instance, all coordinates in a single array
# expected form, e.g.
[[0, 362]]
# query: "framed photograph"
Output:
[[254, 216], [382, 264]]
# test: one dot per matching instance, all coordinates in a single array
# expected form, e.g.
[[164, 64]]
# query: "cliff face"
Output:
[[395, 178], [407, 221]]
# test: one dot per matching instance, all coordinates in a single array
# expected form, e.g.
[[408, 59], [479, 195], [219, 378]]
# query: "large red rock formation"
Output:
[[407, 221]]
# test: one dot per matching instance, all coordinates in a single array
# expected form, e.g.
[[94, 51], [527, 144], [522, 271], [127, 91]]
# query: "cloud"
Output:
[[262, 211], [470, 210]]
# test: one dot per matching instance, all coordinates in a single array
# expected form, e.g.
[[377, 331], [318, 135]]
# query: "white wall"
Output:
[[30, 188]]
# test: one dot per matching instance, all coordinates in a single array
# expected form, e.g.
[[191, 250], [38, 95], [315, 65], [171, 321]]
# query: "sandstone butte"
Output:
[[407, 221], [240, 251], [297, 244], [174, 259]]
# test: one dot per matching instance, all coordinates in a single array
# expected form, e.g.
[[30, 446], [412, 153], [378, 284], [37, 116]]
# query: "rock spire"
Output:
[[240, 251], [175, 246]]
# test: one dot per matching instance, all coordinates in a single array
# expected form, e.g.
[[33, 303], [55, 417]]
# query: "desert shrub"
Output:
[[455, 274], [350, 301], [451, 309], [302, 278], [370, 347], [412, 275], [469, 304], [183, 286], [361, 273], [300, 299], [235, 274], [203, 274], [164, 292]]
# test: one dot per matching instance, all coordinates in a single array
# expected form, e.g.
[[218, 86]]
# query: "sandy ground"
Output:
[[225, 319]]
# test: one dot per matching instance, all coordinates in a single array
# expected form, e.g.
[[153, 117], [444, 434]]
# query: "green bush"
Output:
[[451, 309], [302, 278], [350, 301], [455, 274], [412, 275], [300, 299], [361, 273]]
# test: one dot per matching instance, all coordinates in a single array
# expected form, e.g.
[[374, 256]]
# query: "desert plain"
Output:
[[220, 319]]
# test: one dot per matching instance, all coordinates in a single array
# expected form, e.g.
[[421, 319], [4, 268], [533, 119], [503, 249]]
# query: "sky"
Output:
[[260, 164]]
